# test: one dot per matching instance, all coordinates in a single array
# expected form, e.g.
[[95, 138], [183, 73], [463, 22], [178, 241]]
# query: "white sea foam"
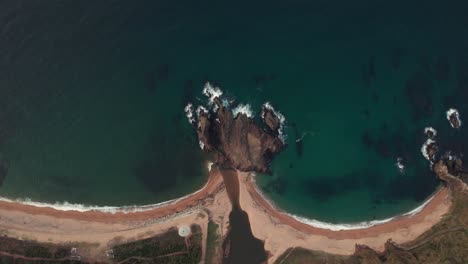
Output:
[[201, 109], [453, 111], [210, 165], [345, 226], [399, 164], [242, 109], [428, 130], [424, 148], [66, 206], [212, 92], [189, 113], [202, 145], [280, 116]]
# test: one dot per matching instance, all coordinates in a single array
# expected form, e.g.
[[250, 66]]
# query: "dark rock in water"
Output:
[[442, 69], [271, 120], [261, 79], [3, 170], [383, 148], [366, 113], [151, 82], [368, 72], [237, 142], [454, 118], [462, 78], [188, 92], [396, 58], [278, 185], [425, 65], [156, 76], [162, 72], [372, 73], [367, 140], [431, 150], [418, 90]]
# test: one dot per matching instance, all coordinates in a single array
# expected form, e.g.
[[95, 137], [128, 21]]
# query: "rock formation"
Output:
[[237, 141]]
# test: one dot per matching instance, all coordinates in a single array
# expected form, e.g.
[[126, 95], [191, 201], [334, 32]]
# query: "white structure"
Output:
[[184, 231]]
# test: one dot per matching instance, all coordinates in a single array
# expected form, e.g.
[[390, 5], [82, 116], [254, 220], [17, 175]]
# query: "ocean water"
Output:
[[92, 97]]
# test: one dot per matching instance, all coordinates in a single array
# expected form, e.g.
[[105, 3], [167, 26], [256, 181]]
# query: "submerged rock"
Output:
[[3, 170]]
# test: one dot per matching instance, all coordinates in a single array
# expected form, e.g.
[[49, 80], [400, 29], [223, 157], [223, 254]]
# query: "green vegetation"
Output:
[[446, 242], [213, 242], [300, 255], [165, 248], [32, 249]]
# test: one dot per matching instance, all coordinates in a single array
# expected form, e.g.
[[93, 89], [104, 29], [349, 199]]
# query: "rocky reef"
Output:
[[235, 139]]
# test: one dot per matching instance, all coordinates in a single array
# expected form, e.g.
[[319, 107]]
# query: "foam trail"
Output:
[[280, 116], [189, 113], [212, 92], [242, 109], [424, 148], [66, 206], [344, 226], [453, 111], [430, 132], [399, 164]]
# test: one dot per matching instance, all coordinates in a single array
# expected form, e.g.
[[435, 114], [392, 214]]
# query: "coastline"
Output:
[[73, 210], [277, 229], [280, 231], [340, 226], [440, 199]]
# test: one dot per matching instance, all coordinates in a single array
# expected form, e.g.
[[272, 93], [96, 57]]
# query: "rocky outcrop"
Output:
[[272, 121], [237, 141]]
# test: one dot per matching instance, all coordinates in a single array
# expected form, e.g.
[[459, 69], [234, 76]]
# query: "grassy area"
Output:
[[300, 255], [213, 242], [446, 242], [34, 249], [166, 248]]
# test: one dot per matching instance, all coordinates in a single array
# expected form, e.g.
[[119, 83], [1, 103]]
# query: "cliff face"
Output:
[[237, 141]]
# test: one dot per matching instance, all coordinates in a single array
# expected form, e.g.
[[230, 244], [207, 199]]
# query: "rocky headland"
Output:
[[235, 139]]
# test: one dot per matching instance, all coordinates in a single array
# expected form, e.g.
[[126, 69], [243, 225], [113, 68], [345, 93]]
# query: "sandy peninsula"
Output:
[[277, 229]]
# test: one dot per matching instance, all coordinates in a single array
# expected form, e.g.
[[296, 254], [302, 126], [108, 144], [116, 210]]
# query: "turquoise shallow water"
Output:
[[92, 97]]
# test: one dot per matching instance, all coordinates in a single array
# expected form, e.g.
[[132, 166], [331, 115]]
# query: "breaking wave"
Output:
[[424, 148], [242, 109], [280, 116], [453, 111], [212, 92], [343, 226], [66, 206]]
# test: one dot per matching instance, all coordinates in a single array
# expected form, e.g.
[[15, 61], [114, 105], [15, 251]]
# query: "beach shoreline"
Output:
[[276, 228]]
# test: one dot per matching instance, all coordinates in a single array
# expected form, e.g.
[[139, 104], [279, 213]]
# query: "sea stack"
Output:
[[236, 140], [454, 118]]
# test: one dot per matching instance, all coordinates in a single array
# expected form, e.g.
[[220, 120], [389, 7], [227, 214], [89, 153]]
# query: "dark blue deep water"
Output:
[[92, 96]]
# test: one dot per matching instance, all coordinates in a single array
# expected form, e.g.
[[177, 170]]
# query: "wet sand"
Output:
[[278, 230]]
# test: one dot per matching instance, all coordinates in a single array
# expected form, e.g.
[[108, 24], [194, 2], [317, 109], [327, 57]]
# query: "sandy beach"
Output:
[[279, 230]]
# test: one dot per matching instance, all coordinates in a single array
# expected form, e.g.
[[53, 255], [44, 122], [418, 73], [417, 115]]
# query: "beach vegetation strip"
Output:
[[169, 247]]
